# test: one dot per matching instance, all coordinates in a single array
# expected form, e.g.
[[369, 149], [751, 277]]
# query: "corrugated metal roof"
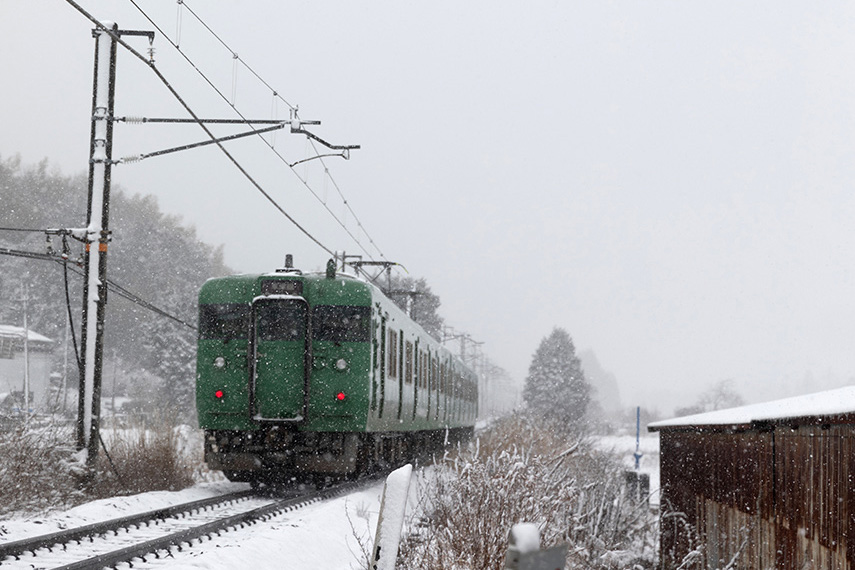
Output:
[[820, 404]]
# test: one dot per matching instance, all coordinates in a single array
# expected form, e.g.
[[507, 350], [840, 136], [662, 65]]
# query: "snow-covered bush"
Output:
[[40, 469], [526, 470], [34, 468], [146, 454]]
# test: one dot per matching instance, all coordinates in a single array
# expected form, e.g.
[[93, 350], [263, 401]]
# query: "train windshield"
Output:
[[341, 323], [281, 321], [224, 321]]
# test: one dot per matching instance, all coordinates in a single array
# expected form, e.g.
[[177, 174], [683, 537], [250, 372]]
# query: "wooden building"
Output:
[[765, 486]]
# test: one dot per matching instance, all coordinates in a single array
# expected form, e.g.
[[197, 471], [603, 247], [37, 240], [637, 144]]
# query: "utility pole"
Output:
[[97, 235], [65, 364], [26, 300]]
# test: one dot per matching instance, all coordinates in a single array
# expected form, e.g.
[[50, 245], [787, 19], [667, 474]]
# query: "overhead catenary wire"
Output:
[[190, 111], [304, 181], [230, 102], [235, 55]]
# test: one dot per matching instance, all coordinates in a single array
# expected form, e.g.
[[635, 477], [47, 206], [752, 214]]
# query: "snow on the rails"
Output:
[[319, 535]]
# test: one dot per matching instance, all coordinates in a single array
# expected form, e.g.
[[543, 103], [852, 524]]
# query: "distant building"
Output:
[[761, 486], [12, 368]]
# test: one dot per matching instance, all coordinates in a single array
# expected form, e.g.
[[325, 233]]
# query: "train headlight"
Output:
[[219, 362], [341, 364]]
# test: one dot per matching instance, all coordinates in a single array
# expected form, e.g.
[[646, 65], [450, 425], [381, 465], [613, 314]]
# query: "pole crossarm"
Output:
[[131, 159], [359, 264], [133, 120]]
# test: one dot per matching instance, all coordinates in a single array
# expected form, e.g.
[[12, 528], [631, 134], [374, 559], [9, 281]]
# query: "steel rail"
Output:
[[16, 548], [165, 543]]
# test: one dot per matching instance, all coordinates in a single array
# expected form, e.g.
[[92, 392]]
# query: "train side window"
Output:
[[408, 375], [382, 366], [393, 354], [401, 354], [382, 336]]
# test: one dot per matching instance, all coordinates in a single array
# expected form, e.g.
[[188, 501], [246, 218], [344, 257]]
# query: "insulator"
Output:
[[134, 120], [132, 159]]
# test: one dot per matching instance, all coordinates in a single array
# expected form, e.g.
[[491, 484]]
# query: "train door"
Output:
[[280, 357]]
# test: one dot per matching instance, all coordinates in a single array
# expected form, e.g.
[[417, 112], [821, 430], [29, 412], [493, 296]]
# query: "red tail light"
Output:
[[340, 396], [219, 394]]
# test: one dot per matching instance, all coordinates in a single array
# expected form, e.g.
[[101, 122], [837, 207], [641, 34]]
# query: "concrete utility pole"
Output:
[[26, 300], [97, 235]]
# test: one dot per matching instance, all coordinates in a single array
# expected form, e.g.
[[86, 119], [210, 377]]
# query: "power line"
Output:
[[269, 145], [111, 284], [189, 110]]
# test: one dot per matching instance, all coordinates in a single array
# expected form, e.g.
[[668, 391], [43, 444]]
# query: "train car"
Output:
[[318, 375]]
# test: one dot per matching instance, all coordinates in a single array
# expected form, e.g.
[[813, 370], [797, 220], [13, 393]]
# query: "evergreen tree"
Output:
[[152, 254], [415, 297], [556, 387]]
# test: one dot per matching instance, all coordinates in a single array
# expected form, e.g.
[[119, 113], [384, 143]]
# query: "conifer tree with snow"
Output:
[[555, 387]]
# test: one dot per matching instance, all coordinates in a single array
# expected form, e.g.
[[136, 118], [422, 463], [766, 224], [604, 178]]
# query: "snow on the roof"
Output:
[[18, 332], [832, 402]]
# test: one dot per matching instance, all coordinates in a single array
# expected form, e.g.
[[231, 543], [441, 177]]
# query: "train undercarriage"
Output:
[[277, 454]]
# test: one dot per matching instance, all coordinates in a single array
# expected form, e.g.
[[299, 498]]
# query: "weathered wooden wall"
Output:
[[772, 498]]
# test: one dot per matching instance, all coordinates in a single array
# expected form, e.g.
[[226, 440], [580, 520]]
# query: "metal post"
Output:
[[65, 364], [95, 281]]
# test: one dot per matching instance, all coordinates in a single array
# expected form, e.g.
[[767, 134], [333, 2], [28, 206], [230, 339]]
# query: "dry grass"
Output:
[[34, 469], [144, 455], [40, 470], [523, 470]]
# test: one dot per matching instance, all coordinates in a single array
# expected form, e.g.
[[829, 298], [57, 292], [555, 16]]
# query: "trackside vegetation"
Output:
[[528, 469], [38, 471]]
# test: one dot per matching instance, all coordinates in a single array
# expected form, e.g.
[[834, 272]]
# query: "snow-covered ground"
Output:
[[316, 536], [624, 446], [321, 535]]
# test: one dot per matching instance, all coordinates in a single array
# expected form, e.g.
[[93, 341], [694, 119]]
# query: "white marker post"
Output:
[[393, 506], [524, 551]]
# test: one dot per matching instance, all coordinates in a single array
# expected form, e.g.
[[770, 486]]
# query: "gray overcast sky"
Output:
[[669, 181]]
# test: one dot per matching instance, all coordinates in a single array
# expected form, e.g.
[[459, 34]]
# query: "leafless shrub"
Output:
[[34, 472], [362, 536], [524, 470], [146, 454], [41, 470]]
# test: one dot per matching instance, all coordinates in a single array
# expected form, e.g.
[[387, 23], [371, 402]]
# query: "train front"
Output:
[[282, 374]]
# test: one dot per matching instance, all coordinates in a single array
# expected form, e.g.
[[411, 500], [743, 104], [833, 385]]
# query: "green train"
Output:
[[307, 375]]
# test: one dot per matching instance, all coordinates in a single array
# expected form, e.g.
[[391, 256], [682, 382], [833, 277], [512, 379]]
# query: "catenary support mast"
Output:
[[98, 234]]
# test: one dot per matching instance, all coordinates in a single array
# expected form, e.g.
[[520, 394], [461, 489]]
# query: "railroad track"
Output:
[[153, 534]]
